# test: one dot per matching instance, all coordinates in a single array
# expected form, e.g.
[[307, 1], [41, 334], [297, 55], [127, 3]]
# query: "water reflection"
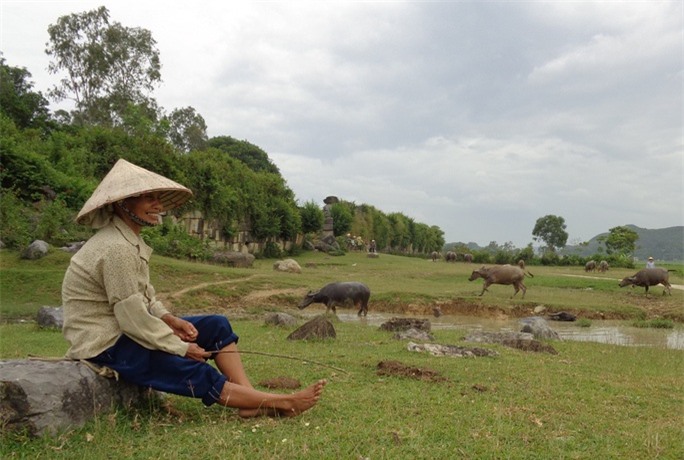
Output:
[[608, 331]]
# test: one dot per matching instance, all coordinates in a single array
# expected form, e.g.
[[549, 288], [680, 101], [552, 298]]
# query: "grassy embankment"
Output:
[[589, 401]]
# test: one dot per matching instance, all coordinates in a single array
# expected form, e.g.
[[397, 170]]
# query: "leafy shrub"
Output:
[[271, 251], [171, 240], [550, 258], [15, 227]]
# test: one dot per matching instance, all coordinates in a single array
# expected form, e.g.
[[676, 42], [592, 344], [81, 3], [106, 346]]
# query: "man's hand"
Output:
[[182, 328], [197, 353]]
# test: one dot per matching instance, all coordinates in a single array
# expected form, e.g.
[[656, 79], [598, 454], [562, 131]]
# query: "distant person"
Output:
[[373, 246], [650, 263], [112, 317]]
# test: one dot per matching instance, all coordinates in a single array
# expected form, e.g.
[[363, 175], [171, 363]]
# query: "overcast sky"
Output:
[[478, 117]]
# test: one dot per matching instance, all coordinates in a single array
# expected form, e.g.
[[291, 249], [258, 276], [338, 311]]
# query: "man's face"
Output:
[[147, 207]]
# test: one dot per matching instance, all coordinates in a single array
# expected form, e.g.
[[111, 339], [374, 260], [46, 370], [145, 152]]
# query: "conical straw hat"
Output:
[[125, 180]]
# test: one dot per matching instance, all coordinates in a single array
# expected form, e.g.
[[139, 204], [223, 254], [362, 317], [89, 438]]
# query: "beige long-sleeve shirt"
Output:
[[107, 292]]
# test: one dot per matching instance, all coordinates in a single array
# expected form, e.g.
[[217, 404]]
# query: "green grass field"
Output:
[[589, 401]]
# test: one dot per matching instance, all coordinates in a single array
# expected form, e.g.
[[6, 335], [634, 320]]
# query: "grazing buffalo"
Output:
[[649, 277], [340, 293], [467, 258], [434, 256], [450, 256], [501, 274], [603, 266], [590, 266]]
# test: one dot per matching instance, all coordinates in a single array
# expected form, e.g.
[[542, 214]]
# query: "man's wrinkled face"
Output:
[[147, 207]]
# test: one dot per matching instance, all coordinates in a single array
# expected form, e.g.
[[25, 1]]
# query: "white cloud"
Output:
[[479, 117]]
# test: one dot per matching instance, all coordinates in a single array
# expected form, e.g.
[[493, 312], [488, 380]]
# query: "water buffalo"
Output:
[[467, 258], [603, 266], [340, 293], [501, 274], [649, 277], [450, 256], [434, 256], [590, 266]]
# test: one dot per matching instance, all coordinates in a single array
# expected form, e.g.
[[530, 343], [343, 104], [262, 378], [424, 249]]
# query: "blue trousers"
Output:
[[172, 373]]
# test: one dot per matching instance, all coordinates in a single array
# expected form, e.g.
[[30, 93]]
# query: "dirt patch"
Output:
[[397, 369]]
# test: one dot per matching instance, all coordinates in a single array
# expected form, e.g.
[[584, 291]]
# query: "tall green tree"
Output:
[[312, 217], [108, 66], [620, 240], [18, 101], [551, 230], [251, 155], [187, 129]]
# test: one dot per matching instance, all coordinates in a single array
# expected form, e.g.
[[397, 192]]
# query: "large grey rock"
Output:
[[234, 258], [50, 317], [316, 329], [35, 250], [73, 248], [436, 349], [280, 319], [539, 328], [287, 265], [47, 397]]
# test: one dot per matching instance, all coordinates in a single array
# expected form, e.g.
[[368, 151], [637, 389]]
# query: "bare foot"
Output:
[[290, 405]]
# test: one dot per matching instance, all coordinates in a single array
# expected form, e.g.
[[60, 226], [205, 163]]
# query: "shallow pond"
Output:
[[605, 331]]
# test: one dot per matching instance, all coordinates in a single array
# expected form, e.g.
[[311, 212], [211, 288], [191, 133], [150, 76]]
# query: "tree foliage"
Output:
[[312, 217], [18, 101], [187, 129], [620, 240], [551, 230], [107, 66], [255, 158]]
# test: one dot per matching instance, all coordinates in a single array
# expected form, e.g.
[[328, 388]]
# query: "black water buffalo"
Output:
[[450, 256], [649, 277], [590, 266], [501, 274], [603, 266], [340, 293], [467, 258], [434, 256]]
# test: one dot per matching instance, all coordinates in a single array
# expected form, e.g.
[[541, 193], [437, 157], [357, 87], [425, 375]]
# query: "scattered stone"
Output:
[[280, 319], [539, 328], [283, 383], [436, 349], [539, 309], [496, 337], [50, 317], [414, 334], [530, 345], [233, 258], [404, 324], [35, 250], [287, 265], [437, 311], [318, 328], [73, 247]]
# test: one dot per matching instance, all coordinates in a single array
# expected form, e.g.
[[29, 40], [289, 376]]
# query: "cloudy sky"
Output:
[[475, 116]]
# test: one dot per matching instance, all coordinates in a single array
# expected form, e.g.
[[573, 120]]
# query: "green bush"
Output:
[[271, 251], [15, 227], [171, 240]]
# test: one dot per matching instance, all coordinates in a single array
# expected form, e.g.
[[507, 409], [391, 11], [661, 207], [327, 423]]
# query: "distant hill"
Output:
[[661, 243]]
